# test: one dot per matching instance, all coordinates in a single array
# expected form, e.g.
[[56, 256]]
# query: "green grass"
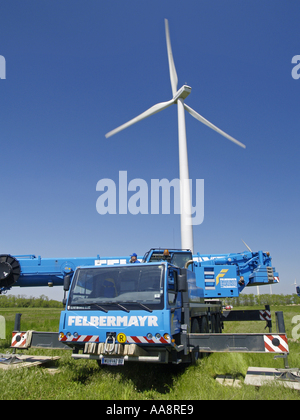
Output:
[[83, 379], [38, 319]]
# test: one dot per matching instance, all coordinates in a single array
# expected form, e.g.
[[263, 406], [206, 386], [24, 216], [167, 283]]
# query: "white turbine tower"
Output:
[[179, 97]]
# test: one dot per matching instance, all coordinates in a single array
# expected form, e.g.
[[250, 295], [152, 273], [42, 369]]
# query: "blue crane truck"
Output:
[[165, 309], [253, 268]]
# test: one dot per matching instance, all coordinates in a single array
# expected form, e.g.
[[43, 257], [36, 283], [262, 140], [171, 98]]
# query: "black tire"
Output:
[[203, 325], [195, 328], [204, 330], [213, 323], [218, 323]]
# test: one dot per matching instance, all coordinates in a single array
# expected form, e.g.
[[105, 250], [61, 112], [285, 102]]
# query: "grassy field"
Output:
[[83, 379]]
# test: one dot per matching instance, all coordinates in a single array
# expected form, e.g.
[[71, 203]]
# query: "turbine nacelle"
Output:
[[182, 93]]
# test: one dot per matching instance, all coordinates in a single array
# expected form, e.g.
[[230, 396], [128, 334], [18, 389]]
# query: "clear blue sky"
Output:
[[77, 69]]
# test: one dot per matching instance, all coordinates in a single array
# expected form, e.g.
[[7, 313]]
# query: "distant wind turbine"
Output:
[[295, 284], [179, 97]]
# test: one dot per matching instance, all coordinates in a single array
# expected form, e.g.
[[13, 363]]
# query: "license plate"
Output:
[[112, 361]]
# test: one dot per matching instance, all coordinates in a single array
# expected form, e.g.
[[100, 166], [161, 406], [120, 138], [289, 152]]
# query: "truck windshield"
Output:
[[116, 288], [178, 258]]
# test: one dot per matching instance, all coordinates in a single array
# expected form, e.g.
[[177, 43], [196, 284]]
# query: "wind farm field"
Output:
[[83, 379]]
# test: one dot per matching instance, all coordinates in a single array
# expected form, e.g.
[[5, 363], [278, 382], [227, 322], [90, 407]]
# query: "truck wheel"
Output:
[[218, 323], [204, 329], [195, 329], [203, 325], [213, 324]]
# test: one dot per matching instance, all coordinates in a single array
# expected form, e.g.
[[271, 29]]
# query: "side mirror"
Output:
[[67, 282], [182, 281]]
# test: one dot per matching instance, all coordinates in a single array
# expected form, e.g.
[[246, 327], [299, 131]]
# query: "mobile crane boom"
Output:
[[213, 270]]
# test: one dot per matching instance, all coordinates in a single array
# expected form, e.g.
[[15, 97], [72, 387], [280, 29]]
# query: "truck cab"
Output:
[[128, 312]]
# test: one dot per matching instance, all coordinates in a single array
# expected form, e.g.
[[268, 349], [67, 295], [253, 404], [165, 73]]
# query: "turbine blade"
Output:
[[153, 110], [209, 124], [173, 74], [248, 247]]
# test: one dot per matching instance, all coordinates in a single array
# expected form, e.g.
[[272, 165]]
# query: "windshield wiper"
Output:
[[111, 303], [144, 306], [90, 304], [120, 306], [101, 307]]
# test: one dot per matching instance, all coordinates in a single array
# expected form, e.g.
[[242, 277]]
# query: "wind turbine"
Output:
[[295, 284], [178, 98]]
